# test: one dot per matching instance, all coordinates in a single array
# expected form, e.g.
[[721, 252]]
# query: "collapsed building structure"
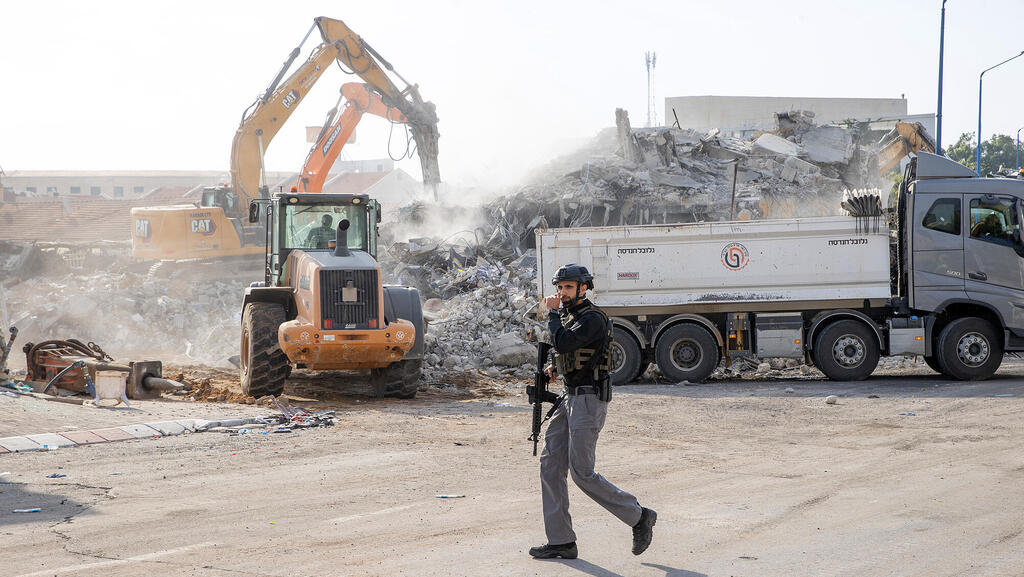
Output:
[[675, 175], [485, 280]]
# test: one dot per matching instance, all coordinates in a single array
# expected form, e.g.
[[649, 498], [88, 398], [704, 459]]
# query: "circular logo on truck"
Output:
[[735, 256]]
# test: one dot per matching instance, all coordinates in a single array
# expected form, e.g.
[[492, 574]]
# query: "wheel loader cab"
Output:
[[310, 225]]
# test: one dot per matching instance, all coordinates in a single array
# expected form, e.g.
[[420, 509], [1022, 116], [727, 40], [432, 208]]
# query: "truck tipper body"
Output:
[[947, 283]]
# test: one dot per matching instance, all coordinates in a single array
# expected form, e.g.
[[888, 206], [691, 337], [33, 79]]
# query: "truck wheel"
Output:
[[933, 364], [400, 379], [625, 357], [969, 349], [846, 351], [263, 364], [686, 352]]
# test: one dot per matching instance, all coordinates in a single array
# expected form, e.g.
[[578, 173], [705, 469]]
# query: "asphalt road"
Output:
[[927, 479]]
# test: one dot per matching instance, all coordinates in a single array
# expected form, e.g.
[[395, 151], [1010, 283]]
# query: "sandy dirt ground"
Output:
[[907, 474]]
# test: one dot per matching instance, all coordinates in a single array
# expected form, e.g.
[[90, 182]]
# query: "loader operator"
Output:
[[321, 235], [581, 335]]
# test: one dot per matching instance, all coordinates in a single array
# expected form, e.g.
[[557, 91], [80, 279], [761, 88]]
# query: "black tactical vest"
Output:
[[593, 361]]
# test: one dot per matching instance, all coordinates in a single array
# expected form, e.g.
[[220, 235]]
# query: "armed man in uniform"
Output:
[[581, 334]]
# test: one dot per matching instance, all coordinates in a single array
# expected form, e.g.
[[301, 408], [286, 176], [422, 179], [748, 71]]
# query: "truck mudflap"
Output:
[[318, 349]]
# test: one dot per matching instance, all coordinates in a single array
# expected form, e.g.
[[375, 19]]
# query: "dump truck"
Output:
[[945, 281], [322, 304]]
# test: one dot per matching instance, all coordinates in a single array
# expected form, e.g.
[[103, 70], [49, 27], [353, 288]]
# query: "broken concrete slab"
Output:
[[828, 144], [511, 350], [795, 169], [771, 144], [677, 180], [190, 425], [168, 427], [625, 135]]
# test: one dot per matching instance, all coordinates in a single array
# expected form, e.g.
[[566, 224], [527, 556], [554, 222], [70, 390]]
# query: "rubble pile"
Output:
[[486, 275], [131, 315], [672, 175], [484, 329]]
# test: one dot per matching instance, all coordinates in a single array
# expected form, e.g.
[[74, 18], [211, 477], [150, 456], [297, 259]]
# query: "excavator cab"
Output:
[[219, 196]]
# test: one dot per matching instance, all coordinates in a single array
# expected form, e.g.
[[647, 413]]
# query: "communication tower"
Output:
[[652, 113]]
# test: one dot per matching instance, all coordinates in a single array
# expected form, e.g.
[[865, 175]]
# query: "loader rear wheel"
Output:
[[400, 379], [846, 351], [686, 352], [263, 365], [969, 349]]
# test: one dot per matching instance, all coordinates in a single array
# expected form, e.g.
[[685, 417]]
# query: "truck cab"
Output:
[[961, 249]]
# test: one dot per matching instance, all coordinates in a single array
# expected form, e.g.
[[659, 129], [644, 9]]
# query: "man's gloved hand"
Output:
[[551, 373]]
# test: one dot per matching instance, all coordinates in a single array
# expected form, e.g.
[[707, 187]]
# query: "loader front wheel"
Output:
[[263, 365]]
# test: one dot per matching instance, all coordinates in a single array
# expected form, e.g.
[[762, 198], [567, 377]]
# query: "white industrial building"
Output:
[[744, 115], [135, 184]]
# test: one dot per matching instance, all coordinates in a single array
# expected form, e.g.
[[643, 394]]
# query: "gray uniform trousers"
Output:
[[570, 446]]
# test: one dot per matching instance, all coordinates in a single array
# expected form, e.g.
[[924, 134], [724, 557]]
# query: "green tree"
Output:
[[997, 152]]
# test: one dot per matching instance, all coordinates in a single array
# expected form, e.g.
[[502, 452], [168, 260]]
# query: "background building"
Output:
[[137, 184], [744, 115], [93, 206]]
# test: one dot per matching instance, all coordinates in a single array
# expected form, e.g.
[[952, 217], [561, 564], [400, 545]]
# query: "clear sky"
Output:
[[94, 85]]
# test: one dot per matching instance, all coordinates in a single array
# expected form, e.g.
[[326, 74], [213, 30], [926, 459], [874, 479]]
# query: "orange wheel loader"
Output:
[[322, 304]]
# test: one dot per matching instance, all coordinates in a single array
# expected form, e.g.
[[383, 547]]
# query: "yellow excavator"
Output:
[[905, 138], [218, 227]]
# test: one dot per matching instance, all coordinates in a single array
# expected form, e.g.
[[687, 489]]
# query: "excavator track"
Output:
[[240, 269]]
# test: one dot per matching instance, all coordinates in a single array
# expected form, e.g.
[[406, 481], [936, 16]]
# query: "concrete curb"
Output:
[[53, 441]]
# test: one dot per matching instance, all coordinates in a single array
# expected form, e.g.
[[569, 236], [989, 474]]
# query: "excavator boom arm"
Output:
[[367, 63], [265, 119], [333, 136], [905, 138]]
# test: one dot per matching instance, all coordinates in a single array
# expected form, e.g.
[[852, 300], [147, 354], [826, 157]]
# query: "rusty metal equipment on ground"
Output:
[[46, 361]]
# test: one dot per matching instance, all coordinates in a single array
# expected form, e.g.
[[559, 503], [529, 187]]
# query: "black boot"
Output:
[[643, 531], [549, 551]]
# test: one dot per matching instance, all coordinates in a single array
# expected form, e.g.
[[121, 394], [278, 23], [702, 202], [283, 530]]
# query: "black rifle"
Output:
[[538, 394]]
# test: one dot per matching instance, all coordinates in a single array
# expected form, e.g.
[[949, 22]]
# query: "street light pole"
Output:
[[977, 152], [938, 114]]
